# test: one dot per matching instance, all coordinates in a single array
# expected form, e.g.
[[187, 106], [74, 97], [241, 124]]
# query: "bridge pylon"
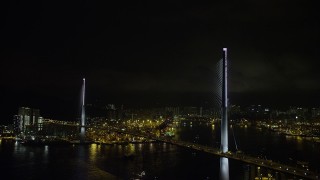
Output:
[[83, 113], [224, 117]]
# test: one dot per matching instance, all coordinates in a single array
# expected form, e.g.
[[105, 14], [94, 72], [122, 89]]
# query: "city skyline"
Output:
[[149, 53]]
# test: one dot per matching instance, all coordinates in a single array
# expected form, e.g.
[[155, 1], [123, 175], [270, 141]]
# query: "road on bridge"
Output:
[[231, 155]]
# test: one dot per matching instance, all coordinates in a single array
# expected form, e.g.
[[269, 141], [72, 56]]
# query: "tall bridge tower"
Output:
[[224, 118], [224, 162]]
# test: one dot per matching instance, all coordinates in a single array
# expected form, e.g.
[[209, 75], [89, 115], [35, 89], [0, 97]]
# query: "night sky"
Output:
[[156, 53]]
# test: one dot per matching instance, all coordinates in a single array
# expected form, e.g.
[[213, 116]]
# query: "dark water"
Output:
[[157, 160], [277, 147]]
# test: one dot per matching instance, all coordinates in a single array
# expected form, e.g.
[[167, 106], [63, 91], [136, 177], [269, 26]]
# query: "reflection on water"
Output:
[[224, 168], [131, 148], [140, 147], [151, 147], [45, 154], [164, 145], [93, 152]]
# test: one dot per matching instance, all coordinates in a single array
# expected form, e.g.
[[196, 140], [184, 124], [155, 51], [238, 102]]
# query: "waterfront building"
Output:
[[28, 120]]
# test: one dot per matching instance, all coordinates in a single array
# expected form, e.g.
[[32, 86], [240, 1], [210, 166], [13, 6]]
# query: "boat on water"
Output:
[[139, 176], [128, 155]]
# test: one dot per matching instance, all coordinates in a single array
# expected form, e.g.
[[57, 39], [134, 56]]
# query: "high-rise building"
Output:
[[111, 112], [35, 117], [40, 123], [174, 110], [28, 119], [17, 124], [190, 111], [25, 116], [315, 113]]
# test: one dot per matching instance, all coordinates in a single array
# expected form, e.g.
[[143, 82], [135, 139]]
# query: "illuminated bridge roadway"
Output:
[[231, 155], [269, 164]]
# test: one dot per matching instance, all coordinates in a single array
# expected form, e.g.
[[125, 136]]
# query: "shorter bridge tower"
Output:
[[83, 113]]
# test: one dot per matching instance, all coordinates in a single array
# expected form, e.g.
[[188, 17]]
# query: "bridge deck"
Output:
[[233, 155]]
